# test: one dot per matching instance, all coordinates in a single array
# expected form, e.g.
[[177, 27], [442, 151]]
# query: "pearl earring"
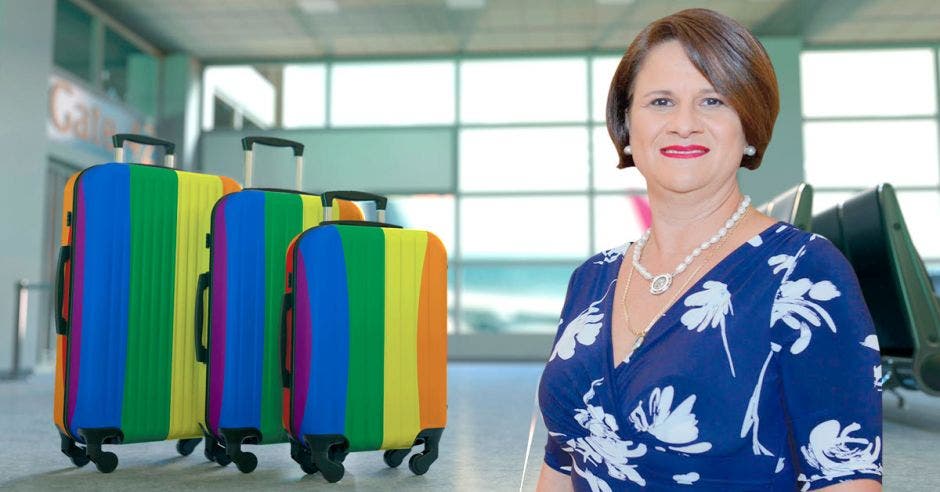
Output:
[[627, 150], [750, 151]]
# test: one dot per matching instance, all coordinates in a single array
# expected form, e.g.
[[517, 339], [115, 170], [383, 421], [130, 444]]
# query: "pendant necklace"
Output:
[[642, 335], [660, 283]]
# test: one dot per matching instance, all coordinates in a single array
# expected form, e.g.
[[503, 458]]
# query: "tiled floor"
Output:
[[483, 449]]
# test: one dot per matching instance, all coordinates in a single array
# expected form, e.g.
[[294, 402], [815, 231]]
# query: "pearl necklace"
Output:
[[660, 283]]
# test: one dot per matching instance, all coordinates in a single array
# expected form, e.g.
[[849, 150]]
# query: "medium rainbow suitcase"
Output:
[[251, 230], [131, 253], [365, 343]]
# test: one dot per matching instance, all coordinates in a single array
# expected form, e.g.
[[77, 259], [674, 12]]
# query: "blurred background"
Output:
[[483, 120]]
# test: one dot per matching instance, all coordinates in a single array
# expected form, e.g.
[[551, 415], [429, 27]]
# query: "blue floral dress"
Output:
[[765, 375]]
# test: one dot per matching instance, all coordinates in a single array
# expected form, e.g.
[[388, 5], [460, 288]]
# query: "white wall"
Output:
[[26, 37]]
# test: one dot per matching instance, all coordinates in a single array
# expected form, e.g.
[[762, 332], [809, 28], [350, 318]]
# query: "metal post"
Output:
[[20, 314], [21, 290]]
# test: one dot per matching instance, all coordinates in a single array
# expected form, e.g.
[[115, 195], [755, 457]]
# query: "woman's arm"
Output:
[[551, 480], [864, 485]]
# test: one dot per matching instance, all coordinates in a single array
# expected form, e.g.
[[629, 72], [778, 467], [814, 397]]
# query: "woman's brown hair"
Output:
[[726, 54]]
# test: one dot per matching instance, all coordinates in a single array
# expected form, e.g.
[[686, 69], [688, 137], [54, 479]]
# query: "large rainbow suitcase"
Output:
[[132, 249], [251, 230], [365, 343]]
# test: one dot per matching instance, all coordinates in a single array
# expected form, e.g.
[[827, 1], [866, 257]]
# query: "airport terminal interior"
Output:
[[484, 123]]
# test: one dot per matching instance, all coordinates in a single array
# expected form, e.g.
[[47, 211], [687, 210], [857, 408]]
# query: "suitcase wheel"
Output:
[[419, 464], [394, 457], [214, 451], [75, 453], [79, 460], [308, 468], [219, 456], [246, 462], [185, 447], [106, 462], [327, 453], [234, 438], [301, 456]]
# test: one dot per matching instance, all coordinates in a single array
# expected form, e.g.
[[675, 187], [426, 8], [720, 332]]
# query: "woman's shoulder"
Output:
[[790, 245], [601, 263], [793, 238]]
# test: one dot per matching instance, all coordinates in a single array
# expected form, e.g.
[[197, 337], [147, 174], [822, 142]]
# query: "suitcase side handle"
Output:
[[286, 311], [248, 145], [381, 202], [61, 324], [169, 148], [201, 286]]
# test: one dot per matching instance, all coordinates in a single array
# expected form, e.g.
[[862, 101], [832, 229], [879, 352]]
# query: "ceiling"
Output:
[[257, 30]]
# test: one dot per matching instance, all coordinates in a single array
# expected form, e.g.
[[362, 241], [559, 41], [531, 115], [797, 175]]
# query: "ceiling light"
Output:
[[318, 6]]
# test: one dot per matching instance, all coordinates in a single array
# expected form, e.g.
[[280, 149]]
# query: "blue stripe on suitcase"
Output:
[[104, 316], [325, 409], [244, 228]]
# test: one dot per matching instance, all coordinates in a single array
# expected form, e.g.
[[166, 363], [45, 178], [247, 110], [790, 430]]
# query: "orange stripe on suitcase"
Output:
[[58, 410], [432, 337]]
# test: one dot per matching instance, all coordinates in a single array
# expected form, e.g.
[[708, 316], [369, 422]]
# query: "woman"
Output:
[[722, 350]]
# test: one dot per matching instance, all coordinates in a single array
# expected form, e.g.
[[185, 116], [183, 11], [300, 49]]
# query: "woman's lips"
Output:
[[684, 151]]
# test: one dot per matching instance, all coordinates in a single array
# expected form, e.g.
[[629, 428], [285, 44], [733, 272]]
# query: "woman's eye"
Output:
[[660, 101], [712, 101]]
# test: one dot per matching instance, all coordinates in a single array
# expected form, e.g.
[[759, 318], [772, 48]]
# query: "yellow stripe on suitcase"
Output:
[[404, 264], [197, 194]]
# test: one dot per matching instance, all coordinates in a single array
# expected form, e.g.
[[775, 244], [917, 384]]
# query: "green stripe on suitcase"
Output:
[[146, 409], [364, 249], [283, 219]]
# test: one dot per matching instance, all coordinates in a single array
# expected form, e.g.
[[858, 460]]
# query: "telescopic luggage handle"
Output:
[[381, 202], [169, 148], [248, 144]]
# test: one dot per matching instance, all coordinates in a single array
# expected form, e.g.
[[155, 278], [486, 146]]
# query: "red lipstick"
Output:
[[684, 151]]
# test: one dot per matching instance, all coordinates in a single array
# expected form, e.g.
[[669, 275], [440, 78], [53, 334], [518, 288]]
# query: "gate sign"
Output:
[[80, 118]]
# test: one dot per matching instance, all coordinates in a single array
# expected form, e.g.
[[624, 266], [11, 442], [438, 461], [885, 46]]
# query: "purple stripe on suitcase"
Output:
[[78, 296], [302, 345], [219, 282]]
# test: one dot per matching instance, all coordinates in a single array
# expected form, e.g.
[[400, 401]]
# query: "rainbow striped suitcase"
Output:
[[130, 257], [365, 343], [251, 230]]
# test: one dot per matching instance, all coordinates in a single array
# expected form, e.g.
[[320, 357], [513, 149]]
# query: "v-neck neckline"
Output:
[[653, 333]]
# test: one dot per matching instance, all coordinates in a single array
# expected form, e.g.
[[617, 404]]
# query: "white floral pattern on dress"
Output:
[[583, 329], [677, 428], [686, 478], [709, 308], [751, 417], [834, 453], [755, 241], [879, 379], [792, 307], [603, 446], [613, 254], [871, 341]]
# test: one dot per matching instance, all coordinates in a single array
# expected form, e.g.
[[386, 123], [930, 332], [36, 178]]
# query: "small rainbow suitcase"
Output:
[[132, 250], [365, 343], [251, 230]]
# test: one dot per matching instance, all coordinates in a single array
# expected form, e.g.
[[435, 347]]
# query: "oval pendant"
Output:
[[660, 283]]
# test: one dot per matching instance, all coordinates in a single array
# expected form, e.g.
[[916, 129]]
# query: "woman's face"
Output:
[[684, 135]]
